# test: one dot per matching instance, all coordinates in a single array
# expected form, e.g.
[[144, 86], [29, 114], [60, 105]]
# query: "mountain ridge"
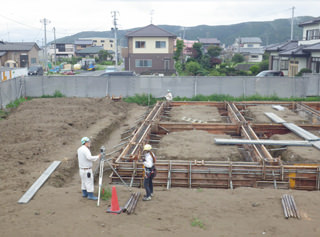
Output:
[[270, 32]]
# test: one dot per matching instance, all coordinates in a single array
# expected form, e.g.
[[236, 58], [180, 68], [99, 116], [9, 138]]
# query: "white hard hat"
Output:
[[168, 90], [84, 140], [147, 147]]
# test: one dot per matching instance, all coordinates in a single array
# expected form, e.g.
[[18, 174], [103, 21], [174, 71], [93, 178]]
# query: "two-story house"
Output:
[[150, 50], [292, 56], [24, 54], [250, 48], [63, 49]]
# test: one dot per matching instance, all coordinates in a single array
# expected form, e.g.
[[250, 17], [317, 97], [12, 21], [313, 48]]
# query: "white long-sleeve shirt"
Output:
[[148, 163], [85, 158], [169, 96]]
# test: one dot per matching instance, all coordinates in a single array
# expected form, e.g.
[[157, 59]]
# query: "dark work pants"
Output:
[[148, 185]]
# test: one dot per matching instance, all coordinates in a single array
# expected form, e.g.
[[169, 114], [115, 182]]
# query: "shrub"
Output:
[[304, 70]]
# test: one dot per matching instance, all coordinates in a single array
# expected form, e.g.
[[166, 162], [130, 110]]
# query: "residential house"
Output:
[[19, 54], [92, 52], [61, 50], [250, 48], [105, 43], [82, 44], [188, 50], [292, 56], [207, 42], [150, 50]]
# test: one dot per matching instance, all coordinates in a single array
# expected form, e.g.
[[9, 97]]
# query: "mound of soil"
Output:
[[196, 145], [43, 130]]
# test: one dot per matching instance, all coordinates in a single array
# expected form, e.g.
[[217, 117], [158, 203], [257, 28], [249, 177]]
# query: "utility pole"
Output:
[[292, 22], [55, 46], [115, 29], [45, 22]]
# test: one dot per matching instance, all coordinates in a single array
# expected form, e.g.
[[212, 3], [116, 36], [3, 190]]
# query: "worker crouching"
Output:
[[149, 170]]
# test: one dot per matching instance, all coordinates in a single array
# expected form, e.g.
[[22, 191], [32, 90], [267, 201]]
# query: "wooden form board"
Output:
[[40, 181]]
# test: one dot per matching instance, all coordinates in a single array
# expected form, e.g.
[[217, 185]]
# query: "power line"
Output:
[[8, 18]]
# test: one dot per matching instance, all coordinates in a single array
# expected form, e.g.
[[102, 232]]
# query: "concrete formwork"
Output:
[[262, 170]]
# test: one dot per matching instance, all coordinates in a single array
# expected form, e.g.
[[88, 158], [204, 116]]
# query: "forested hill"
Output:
[[269, 31]]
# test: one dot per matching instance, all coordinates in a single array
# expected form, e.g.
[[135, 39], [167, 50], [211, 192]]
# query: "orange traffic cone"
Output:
[[115, 209]]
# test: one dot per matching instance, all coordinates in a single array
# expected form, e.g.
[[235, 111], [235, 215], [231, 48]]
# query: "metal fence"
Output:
[[86, 86]]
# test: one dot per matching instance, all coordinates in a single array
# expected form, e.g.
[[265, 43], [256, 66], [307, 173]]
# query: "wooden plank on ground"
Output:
[[40, 181]]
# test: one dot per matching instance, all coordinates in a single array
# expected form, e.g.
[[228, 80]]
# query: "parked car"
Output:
[[111, 69], [270, 73], [120, 73], [35, 70]]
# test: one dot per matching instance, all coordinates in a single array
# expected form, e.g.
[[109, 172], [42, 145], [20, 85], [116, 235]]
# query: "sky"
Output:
[[20, 20]]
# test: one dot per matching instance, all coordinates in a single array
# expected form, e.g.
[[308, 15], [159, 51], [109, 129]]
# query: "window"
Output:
[[140, 44], [61, 47], [111, 41], [102, 41], [160, 44], [143, 63], [250, 45], [313, 34], [284, 65], [33, 60], [94, 41], [254, 56]]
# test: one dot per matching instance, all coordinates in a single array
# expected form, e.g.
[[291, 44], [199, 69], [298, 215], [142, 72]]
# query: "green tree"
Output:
[[264, 65], [179, 48], [193, 68], [214, 51], [237, 58], [198, 48], [103, 55], [255, 69]]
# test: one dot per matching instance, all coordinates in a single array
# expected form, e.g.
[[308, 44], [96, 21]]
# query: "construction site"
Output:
[[222, 167]]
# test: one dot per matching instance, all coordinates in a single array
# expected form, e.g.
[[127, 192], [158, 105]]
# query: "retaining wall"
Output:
[[95, 86]]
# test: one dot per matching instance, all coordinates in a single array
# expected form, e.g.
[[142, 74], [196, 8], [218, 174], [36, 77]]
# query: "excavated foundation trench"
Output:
[[183, 136]]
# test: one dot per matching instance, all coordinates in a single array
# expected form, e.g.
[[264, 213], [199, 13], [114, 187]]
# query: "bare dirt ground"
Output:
[[203, 114], [43, 130], [296, 154], [196, 145], [256, 113]]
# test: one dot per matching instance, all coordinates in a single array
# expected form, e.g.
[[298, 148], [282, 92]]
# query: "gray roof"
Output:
[[81, 42], [18, 46], [313, 47], [298, 51], [90, 50], [252, 50], [282, 46], [311, 22], [245, 40], [209, 40], [150, 31]]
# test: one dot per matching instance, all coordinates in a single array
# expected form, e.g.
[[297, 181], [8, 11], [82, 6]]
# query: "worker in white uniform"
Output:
[[149, 170], [85, 160], [169, 96]]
